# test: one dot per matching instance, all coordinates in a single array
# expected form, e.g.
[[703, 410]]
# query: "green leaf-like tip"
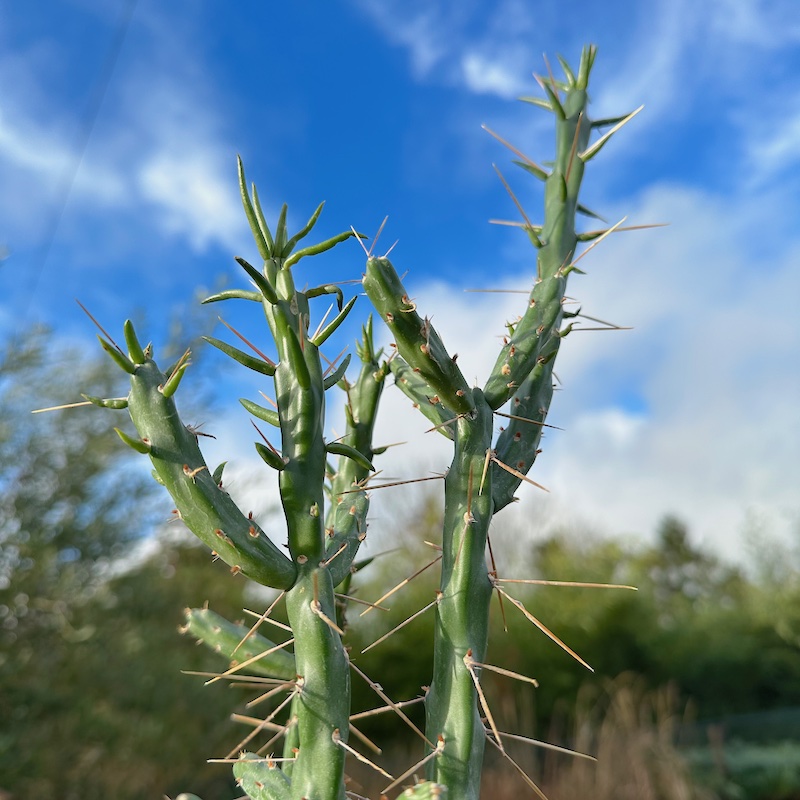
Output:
[[270, 457], [172, 383], [114, 402], [139, 445], [233, 294], [119, 358], [303, 232], [338, 373], [245, 359], [341, 449], [264, 286], [218, 473], [267, 414], [135, 350]]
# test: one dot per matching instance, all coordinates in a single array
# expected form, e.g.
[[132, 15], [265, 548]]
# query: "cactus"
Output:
[[484, 474], [321, 547], [324, 539]]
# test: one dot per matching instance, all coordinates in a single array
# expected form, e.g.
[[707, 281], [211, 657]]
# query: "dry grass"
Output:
[[631, 732]]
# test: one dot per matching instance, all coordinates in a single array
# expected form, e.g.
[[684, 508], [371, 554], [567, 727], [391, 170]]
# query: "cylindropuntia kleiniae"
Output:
[[322, 547], [483, 477]]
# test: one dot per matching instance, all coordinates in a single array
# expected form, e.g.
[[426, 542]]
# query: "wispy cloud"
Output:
[[713, 435], [161, 155]]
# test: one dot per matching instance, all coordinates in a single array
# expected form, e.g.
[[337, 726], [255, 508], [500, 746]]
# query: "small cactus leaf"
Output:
[[264, 286], [316, 249], [225, 637], [262, 221], [267, 414], [234, 294], [414, 387], [258, 226], [587, 212], [329, 288], [261, 778], [570, 75], [139, 445], [256, 364], [417, 340], [157, 478], [426, 790], [270, 457], [119, 358], [533, 169], [537, 101], [174, 380], [326, 332], [135, 350], [591, 151], [113, 402], [217, 476], [281, 234], [338, 373], [296, 357], [303, 232], [555, 103], [340, 449]]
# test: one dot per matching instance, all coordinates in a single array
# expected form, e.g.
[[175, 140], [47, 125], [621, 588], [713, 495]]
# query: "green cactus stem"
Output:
[[483, 476]]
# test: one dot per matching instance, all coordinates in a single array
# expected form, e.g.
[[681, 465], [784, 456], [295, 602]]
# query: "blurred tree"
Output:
[[93, 703]]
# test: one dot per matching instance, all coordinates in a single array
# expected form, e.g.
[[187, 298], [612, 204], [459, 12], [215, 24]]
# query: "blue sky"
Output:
[[375, 106]]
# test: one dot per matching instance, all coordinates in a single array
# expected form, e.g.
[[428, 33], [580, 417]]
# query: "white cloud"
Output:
[[711, 356], [483, 75]]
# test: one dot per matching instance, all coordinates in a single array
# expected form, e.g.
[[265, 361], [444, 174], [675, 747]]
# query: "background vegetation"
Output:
[[696, 690]]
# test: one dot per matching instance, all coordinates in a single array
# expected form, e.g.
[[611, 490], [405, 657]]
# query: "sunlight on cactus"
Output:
[[307, 674]]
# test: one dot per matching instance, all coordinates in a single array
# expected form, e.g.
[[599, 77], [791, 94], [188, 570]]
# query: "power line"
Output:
[[82, 141]]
